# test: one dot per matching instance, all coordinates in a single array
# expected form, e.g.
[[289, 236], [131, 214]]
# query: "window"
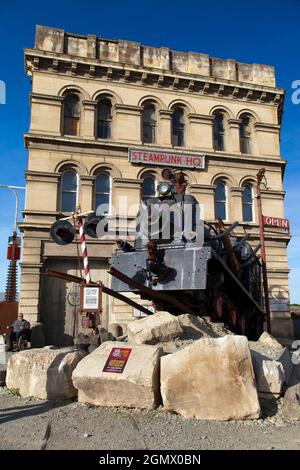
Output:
[[71, 122], [102, 193], [104, 108], [220, 201], [149, 124], [247, 202], [245, 134], [68, 191], [178, 125], [218, 132], [148, 187]]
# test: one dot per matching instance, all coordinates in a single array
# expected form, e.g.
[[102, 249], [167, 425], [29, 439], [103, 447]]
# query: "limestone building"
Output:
[[95, 102]]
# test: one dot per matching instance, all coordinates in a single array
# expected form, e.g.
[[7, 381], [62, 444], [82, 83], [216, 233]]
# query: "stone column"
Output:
[[45, 114], [86, 193], [126, 197], [266, 139], [127, 123], [233, 141], [88, 119], [235, 204], [205, 195], [199, 132], [164, 128]]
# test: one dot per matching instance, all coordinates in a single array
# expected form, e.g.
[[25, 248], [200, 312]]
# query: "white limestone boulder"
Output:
[[291, 403], [211, 379], [156, 328], [43, 373], [136, 386], [272, 365]]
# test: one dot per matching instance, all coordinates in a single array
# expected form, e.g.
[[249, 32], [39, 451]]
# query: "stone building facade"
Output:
[[92, 101]]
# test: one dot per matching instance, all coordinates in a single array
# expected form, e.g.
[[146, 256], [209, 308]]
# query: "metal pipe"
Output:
[[12, 189], [260, 175]]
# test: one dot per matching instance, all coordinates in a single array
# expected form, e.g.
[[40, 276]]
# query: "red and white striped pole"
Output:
[[84, 252]]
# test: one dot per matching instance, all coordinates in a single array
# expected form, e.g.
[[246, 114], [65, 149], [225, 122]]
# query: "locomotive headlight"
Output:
[[164, 188]]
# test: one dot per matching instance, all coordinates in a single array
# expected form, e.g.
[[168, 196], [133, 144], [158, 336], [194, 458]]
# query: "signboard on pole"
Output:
[[161, 158], [90, 298], [117, 360]]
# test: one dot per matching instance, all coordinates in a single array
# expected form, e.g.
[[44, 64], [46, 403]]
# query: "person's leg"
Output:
[[28, 335], [17, 336], [11, 341]]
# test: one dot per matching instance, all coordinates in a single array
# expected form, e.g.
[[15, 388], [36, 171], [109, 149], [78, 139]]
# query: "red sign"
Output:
[[117, 360], [156, 157], [276, 222]]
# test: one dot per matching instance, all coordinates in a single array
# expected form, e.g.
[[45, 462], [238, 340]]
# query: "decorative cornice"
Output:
[[266, 127], [42, 98], [128, 109], [236, 191], [197, 188], [42, 176], [203, 118], [234, 123], [89, 144], [166, 113], [61, 63], [127, 183], [89, 103]]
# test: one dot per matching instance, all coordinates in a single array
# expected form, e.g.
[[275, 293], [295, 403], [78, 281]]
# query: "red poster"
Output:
[[117, 360]]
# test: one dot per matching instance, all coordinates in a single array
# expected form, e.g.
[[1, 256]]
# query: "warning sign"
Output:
[[117, 360]]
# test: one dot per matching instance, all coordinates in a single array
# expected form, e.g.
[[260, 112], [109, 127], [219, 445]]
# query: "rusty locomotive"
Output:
[[182, 263]]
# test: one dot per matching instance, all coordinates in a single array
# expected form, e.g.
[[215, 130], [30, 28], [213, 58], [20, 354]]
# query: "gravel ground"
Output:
[[35, 424]]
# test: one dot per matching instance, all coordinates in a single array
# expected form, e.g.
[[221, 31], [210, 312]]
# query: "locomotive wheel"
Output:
[[242, 325], [233, 317], [218, 306]]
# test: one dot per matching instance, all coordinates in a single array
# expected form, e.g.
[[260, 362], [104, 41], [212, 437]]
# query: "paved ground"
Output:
[[34, 424]]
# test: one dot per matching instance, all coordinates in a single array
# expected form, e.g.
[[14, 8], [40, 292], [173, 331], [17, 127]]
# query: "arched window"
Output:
[[247, 202], [102, 193], [68, 191], [178, 125], [220, 201], [104, 108], [148, 187], [149, 124], [245, 134], [218, 132], [71, 124]]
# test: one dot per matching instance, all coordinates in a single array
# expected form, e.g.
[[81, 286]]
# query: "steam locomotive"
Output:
[[184, 264]]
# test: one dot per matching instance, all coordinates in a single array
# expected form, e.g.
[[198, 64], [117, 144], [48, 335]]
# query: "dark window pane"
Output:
[[103, 129], [218, 132], [102, 183], [69, 182], [220, 192], [68, 201], [245, 134], [104, 119], [247, 213], [220, 210], [149, 124], [148, 187], [72, 106], [102, 202], [247, 200], [71, 115], [247, 194], [178, 127]]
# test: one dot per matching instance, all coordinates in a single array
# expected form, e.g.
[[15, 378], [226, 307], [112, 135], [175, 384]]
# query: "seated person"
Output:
[[19, 327]]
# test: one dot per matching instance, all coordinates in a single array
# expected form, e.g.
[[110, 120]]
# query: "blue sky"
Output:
[[260, 31]]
